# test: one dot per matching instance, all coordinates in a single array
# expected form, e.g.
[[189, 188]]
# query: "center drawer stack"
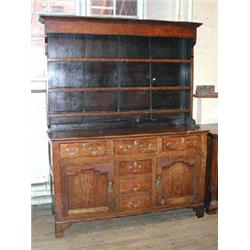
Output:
[[135, 171]]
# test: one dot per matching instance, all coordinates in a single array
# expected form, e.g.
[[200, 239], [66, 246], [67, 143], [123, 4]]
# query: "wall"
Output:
[[171, 10], [205, 54], [160, 9]]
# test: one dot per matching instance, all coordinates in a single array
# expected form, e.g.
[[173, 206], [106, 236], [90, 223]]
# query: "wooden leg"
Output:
[[212, 207], [60, 228], [200, 211]]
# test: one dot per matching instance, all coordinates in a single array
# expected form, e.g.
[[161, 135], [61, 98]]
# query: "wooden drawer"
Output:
[[181, 143], [84, 149], [122, 147], [135, 167], [135, 203], [135, 185]]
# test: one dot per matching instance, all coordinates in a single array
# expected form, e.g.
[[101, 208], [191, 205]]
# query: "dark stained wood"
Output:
[[211, 202], [115, 89], [116, 60], [192, 83], [97, 75], [123, 141], [199, 211], [78, 134], [109, 26], [141, 112]]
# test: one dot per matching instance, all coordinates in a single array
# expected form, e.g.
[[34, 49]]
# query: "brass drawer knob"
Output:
[[135, 204], [124, 148], [135, 167], [137, 188], [72, 151]]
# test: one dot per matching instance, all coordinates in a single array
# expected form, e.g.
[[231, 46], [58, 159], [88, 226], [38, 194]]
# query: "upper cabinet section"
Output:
[[105, 72], [115, 26]]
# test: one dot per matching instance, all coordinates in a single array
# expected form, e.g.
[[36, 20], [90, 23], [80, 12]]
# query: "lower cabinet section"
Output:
[[124, 182]]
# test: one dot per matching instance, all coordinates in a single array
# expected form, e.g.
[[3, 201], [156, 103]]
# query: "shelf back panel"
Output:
[[98, 122], [111, 63], [171, 74], [172, 48]]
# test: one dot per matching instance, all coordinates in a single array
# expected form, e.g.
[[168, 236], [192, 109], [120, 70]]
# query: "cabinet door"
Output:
[[177, 180], [87, 188]]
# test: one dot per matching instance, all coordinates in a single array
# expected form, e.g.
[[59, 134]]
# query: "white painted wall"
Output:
[[205, 58], [39, 151], [171, 10], [160, 9]]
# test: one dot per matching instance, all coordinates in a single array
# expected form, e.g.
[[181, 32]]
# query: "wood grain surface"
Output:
[[172, 230]]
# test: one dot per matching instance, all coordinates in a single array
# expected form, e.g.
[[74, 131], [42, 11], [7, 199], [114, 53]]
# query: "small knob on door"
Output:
[[110, 187], [158, 182]]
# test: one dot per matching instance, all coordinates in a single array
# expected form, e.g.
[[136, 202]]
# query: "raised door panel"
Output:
[[87, 188], [177, 181]]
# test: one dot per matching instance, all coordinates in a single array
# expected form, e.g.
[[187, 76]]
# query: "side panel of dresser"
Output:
[[212, 174]]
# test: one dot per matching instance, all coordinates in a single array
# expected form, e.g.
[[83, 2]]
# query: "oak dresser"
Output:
[[121, 135]]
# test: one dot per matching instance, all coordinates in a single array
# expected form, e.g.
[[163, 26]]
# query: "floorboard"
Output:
[[171, 230]]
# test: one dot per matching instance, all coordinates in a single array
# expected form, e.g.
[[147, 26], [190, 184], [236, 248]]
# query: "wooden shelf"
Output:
[[113, 113], [116, 89], [81, 59], [215, 95]]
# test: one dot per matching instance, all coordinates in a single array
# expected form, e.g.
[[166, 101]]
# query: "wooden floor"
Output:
[[175, 230]]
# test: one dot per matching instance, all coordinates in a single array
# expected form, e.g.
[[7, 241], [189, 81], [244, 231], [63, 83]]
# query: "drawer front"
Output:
[[135, 167], [84, 149], [122, 147], [135, 203], [135, 185], [181, 143]]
